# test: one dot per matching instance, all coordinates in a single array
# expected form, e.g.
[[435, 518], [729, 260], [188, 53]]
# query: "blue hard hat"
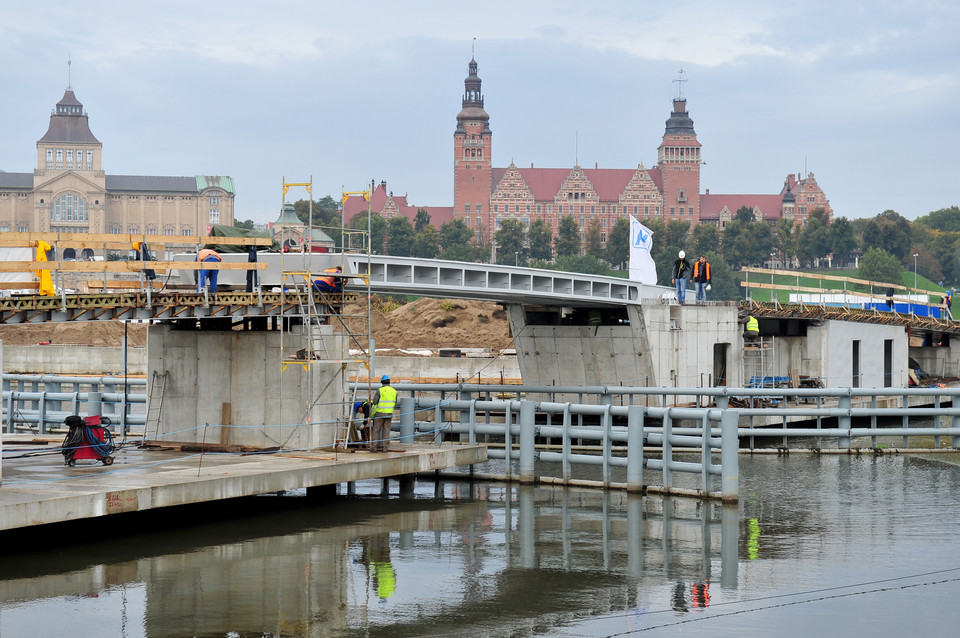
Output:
[[356, 406], [384, 379]]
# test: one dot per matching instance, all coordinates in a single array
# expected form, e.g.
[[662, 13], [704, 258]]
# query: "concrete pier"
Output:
[[40, 489]]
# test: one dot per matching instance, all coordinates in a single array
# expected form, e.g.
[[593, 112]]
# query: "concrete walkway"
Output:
[[37, 488]]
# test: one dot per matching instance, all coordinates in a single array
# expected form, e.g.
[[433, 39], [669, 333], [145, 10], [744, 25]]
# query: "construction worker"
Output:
[[946, 305], [360, 421], [680, 272], [385, 402], [46, 282], [329, 281], [208, 255], [143, 254], [752, 328], [701, 277]]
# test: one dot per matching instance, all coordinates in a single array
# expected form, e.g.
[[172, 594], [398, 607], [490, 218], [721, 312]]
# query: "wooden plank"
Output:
[[98, 239], [808, 275], [115, 284], [225, 423], [822, 291], [19, 285], [127, 266]]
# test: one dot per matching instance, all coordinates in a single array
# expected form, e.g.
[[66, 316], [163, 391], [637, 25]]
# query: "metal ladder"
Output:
[[155, 403]]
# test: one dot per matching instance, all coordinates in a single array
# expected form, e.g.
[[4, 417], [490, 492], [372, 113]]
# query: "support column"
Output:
[[527, 440]]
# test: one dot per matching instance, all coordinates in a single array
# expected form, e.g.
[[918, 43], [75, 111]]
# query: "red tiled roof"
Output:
[[608, 183], [710, 205]]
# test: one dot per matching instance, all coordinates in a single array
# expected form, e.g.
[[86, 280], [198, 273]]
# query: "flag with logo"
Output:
[[642, 268]]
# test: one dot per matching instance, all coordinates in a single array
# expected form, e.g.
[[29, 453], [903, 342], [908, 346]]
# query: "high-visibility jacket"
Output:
[[752, 324], [706, 271], [388, 400], [46, 282], [329, 279], [205, 253]]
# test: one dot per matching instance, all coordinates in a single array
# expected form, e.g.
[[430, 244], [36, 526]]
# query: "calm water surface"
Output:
[[818, 545]]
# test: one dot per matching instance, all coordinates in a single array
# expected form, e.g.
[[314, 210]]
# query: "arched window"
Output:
[[68, 207]]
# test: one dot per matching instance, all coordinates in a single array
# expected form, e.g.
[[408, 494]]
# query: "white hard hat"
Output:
[[682, 254]]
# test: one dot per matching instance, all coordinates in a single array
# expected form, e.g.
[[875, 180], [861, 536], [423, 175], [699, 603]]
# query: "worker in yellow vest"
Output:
[[752, 329], [208, 255], [385, 402]]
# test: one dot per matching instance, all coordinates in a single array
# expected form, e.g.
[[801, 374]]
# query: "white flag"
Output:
[[642, 268]]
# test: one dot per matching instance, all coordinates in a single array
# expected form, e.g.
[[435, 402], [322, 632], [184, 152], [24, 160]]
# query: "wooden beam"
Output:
[[809, 275], [127, 266], [97, 240]]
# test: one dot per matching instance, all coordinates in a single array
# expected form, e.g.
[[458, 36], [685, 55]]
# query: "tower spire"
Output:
[[680, 82], [69, 84]]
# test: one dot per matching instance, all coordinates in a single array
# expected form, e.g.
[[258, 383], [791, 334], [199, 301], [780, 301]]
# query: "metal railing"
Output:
[[626, 432], [40, 403]]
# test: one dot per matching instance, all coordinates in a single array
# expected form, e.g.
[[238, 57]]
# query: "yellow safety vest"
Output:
[[753, 325], [388, 400]]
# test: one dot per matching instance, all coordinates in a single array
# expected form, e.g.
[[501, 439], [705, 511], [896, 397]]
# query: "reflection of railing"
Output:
[[39, 403]]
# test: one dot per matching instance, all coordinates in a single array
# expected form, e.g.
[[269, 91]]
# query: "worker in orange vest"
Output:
[[208, 255], [329, 281], [702, 278]]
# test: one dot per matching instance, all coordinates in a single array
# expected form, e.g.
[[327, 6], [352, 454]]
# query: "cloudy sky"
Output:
[[865, 95]]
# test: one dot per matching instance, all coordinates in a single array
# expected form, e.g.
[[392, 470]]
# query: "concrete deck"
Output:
[[40, 489]]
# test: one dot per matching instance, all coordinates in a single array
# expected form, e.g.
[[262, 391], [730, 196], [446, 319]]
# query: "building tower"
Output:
[[69, 185], [472, 159], [678, 158]]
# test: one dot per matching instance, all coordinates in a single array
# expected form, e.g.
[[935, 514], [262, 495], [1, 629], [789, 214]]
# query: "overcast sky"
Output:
[[865, 95]]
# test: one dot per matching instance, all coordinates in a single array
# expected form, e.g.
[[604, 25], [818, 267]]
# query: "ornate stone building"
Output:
[[484, 195], [70, 192]]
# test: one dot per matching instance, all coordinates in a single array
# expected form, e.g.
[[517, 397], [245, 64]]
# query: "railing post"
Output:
[[843, 423], [527, 438], [567, 473], [407, 407], [635, 416], [94, 404], [729, 456]]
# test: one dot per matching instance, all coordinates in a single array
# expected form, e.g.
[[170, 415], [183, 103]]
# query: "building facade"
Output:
[[485, 195], [70, 192]]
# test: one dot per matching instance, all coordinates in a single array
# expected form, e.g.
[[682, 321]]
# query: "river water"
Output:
[[818, 545]]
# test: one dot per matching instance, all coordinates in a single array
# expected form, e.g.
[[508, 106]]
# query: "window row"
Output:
[[60, 158]]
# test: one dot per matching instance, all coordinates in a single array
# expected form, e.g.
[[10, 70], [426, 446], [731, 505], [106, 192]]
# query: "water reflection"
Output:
[[455, 558]]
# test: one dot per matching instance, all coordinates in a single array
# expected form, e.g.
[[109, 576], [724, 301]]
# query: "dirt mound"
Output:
[[87, 333], [439, 323], [425, 323]]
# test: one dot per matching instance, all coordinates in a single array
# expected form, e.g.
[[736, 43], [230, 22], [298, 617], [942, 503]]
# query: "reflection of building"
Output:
[[70, 192]]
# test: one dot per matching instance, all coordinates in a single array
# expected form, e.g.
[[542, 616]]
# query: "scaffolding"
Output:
[[326, 334]]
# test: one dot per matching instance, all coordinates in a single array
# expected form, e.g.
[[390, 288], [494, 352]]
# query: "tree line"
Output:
[[880, 247]]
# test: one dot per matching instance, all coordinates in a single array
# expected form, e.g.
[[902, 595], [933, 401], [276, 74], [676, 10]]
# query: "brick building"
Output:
[[69, 191]]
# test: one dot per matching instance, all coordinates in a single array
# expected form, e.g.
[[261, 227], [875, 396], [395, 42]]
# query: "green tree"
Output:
[[618, 242], [723, 284], [377, 229], [879, 265], [456, 241], [734, 244], [745, 215], [511, 240], [786, 240], [947, 219], [890, 232], [587, 264], [421, 221], [814, 240], [760, 242], [246, 224], [706, 239], [568, 236], [426, 243], [540, 238], [842, 240], [593, 245], [326, 213], [400, 236]]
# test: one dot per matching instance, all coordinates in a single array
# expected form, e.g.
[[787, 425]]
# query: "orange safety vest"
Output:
[[696, 270], [330, 281], [205, 253]]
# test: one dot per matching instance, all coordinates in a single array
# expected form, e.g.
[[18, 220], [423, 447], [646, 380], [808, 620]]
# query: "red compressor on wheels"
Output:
[[87, 439]]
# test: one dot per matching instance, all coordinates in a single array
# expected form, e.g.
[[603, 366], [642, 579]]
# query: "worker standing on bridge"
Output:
[[143, 254], [208, 255], [385, 402], [701, 276], [946, 304], [681, 269]]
